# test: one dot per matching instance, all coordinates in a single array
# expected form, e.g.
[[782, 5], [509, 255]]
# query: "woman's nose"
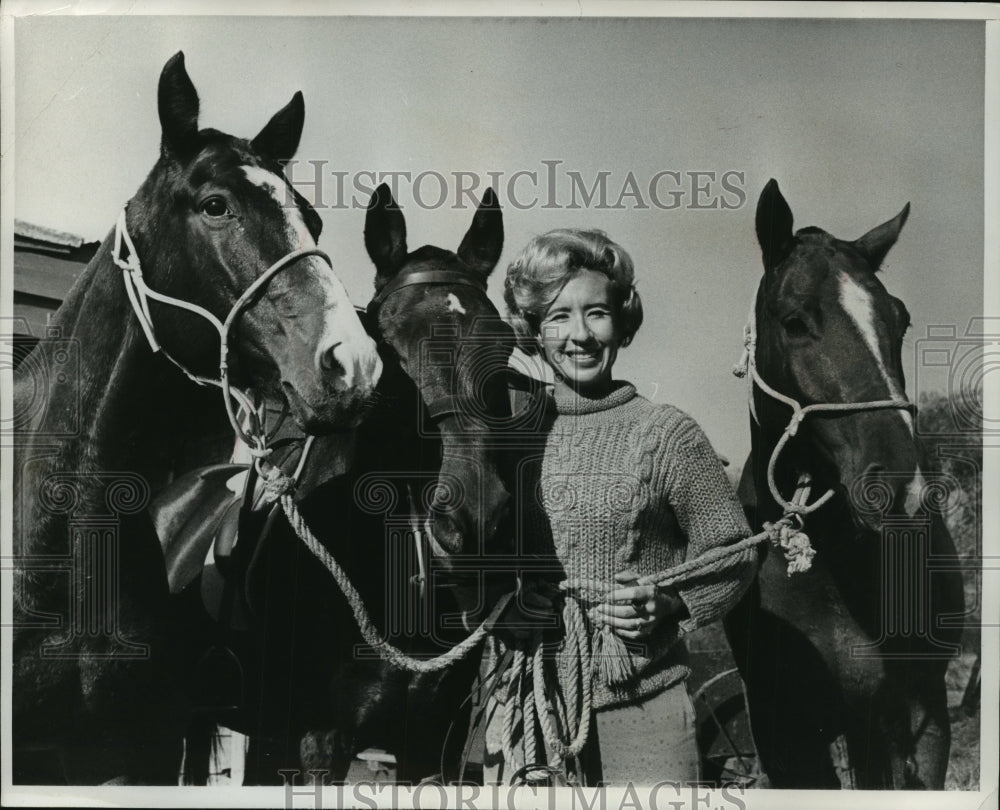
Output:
[[579, 333]]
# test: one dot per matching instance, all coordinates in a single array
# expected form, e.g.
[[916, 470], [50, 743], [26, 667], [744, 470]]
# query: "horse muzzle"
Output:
[[879, 492], [335, 388]]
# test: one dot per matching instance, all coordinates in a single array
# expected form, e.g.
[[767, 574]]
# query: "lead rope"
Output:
[[538, 712], [279, 487], [532, 711], [526, 681], [526, 690]]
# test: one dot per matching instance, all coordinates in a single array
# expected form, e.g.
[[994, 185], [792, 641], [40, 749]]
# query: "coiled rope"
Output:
[[525, 715]]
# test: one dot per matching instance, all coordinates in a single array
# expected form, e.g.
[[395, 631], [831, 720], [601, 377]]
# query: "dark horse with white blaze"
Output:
[[844, 664], [422, 483], [101, 421]]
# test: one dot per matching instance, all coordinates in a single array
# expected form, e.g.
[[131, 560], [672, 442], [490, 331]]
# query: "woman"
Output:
[[625, 488]]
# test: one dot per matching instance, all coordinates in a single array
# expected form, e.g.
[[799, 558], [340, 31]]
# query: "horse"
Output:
[[211, 269], [844, 664], [422, 484]]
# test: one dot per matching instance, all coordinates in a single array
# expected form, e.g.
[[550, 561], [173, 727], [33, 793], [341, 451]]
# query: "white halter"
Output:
[[747, 366], [139, 294]]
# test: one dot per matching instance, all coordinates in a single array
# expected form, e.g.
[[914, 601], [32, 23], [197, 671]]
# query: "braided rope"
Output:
[[369, 632], [576, 684], [527, 676], [538, 712], [528, 735]]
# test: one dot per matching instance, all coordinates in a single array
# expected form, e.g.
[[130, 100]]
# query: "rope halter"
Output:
[[139, 294], [747, 366]]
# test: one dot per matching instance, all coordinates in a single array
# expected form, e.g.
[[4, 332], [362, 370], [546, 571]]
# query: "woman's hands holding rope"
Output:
[[632, 611]]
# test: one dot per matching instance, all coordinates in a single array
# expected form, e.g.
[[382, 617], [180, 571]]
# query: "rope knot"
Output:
[[276, 484], [743, 364], [794, 422], [793, 542]]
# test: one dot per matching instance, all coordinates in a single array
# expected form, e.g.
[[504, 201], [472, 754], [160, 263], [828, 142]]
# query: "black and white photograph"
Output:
[[545, 405]]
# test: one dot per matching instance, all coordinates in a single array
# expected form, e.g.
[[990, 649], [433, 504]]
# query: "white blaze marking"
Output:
[[295, 226], [454, 305], [342, 331], [857, 303]]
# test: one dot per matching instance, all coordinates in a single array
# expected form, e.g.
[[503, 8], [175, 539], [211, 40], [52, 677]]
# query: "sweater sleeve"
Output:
[[691, 478]]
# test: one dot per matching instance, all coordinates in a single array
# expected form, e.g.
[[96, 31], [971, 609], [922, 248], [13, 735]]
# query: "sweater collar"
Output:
[[621, 392]]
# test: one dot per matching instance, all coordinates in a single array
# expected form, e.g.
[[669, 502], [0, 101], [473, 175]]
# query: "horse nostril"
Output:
[[328, 360]]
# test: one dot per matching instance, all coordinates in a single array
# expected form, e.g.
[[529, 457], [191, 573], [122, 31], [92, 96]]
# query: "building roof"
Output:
[[39, 233]]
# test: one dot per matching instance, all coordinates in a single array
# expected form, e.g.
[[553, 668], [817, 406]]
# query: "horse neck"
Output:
[[124, 396]]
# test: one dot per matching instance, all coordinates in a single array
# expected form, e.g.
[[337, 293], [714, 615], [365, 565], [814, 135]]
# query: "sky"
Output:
[[853, 118]]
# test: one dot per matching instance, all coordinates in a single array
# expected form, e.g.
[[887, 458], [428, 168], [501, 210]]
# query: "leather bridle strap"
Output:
[[424, 277], [139, 293], [448, 405], [441, 407]]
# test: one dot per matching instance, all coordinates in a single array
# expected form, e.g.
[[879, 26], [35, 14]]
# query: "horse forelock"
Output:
[[431, 257]]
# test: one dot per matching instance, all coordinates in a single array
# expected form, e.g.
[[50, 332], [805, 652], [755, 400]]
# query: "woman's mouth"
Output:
[[582, 358]]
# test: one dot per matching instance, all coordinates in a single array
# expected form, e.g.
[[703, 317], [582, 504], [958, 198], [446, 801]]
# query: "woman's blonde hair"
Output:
[[536, 277]]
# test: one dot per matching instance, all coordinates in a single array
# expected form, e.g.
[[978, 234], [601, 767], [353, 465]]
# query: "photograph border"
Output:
[[524, 797]]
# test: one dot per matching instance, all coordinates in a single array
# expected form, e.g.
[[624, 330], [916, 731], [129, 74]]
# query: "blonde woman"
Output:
[[625, 488]]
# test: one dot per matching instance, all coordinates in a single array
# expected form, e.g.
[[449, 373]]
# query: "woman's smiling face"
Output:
[[579, 334]]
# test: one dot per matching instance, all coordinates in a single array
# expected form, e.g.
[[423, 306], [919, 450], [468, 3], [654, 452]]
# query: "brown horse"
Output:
[[215, 252], [409, 505], [844, 664]]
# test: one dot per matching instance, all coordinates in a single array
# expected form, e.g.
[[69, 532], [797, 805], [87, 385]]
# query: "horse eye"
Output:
[[795, 327], [215, 207]]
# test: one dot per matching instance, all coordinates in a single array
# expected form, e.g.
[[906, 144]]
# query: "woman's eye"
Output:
[[215, 207]]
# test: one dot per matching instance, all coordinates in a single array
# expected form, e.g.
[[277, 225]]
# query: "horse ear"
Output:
[[774, 225], [877, 242], [279, 139], [177, 101], [385, 235], [483, 243]]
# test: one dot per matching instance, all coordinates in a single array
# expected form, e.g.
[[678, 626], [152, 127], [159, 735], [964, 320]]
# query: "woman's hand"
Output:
[[634, 611]]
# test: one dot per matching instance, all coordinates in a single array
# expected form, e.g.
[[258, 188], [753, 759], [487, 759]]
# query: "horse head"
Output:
[[216, 213], [828, 332], [431, 310]]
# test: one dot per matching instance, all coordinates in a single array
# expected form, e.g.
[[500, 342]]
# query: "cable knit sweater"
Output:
[[628, 485]]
